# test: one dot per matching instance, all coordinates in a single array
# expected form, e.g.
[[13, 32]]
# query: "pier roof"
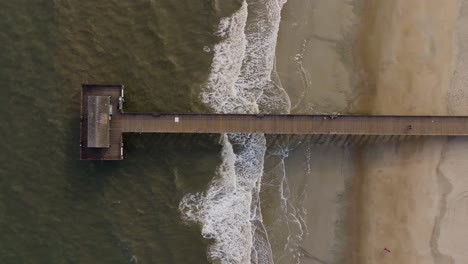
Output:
[[98, 124]]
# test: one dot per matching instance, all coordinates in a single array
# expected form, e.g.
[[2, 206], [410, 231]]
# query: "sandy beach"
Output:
[[379, 57]]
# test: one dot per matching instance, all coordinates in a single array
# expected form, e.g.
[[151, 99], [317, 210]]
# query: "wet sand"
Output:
[[379, 57], [314, 59], [320, 175]]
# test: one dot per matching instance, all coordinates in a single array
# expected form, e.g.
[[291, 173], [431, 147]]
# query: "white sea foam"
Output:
[[244, 60], [229, 211]]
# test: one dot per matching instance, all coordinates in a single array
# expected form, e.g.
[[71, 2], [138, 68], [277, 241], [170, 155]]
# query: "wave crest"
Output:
[[229, 211]]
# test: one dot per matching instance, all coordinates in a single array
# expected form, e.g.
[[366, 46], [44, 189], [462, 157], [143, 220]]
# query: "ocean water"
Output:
[[175, 198]]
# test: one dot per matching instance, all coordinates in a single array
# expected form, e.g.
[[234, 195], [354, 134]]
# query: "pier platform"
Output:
[[114, 150]]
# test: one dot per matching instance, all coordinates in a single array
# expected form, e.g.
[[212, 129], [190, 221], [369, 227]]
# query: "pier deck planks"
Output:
[[296, 124]]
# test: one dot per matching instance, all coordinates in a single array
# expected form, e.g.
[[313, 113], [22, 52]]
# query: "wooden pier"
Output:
[[121, 122]]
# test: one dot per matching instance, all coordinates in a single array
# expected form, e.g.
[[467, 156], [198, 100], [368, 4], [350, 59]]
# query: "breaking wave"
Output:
[[240, 82]]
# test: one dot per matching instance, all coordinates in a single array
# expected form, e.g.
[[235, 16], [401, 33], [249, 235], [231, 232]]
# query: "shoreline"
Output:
[[408, 59], [314, 63]]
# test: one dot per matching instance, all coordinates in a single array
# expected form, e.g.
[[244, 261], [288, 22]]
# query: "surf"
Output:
[[240, 81]]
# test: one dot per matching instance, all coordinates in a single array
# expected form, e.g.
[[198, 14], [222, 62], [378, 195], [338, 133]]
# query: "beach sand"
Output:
[[379, 57]]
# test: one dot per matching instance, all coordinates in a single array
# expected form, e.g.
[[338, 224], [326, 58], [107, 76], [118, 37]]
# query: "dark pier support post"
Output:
[[374, 139], [272, 143], [364, 139], [346, 140], [318, 141], [304, 139]]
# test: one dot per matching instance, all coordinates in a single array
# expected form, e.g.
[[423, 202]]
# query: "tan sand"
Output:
[[407, 49], [381, 57], [395, 202]]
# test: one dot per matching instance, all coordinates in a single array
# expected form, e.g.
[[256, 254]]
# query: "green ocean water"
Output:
[[57, 209]]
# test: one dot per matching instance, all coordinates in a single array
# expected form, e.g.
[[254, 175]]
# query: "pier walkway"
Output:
[[295, 124], [121, 122]]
